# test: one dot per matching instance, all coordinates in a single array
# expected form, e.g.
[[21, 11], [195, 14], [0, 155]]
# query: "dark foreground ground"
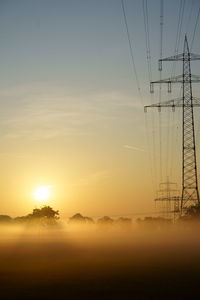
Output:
[[100, 264]]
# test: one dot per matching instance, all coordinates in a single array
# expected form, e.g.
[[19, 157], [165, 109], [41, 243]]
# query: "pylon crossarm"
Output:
[[167, 199], [175, 79], [195, 78], [180, 57], [194, 56], [177, 102], [166, 190], [196, 101], [168, 182], [174, 57], [159, 106], [169, 81]]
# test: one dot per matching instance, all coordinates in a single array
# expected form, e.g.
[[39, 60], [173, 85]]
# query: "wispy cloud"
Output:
[[133, 148], [48, 110]]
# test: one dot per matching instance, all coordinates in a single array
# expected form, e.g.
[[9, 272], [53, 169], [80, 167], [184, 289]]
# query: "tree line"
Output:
[[48, 216]]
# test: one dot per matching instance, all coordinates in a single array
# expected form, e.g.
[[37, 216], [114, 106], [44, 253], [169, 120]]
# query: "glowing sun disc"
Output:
[[42, 193]]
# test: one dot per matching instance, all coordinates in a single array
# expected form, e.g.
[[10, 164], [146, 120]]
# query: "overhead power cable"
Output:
[[131, 51], [147, 38], [189, 18], [178, 33], [195, 28], [160, 86], [176, 49], [148, 57]]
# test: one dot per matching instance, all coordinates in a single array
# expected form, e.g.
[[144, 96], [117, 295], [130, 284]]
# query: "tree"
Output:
[[5, 219], [78, 218], [105, 220], [44, 216], [45, 212], [192, 213], [123, 221], [154, 223]]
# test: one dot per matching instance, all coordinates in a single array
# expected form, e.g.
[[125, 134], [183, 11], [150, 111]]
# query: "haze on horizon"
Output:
[[70, 113]]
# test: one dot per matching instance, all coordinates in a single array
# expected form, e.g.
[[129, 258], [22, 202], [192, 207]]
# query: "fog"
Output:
[[82, 261]]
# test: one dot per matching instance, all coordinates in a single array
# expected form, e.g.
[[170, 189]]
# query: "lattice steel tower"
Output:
[[167, 200], [190, 191]]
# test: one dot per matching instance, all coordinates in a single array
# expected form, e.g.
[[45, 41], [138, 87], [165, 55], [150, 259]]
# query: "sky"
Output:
[[71, 116]]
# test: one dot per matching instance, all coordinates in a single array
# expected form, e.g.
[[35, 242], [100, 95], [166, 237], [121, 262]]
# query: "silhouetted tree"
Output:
[[78, 218], [105, 220], [5, 219], [123, 221], [21, 219], [45, 212], [154, 222], [44, 216], [89, 220], [192, 213]]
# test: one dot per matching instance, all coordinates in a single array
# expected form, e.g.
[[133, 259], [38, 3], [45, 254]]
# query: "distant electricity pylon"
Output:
[[167, 200], [190, 191]]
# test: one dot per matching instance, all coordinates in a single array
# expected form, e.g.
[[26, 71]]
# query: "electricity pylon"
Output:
[[167, 199], [190, 191]]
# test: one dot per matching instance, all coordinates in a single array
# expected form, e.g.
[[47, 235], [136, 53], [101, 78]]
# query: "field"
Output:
[[91, 262]]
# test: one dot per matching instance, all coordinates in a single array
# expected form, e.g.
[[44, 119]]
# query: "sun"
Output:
[[42, 193]]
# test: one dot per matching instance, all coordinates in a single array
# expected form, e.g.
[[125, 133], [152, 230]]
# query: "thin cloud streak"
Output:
[[133, 148], [51, 110]]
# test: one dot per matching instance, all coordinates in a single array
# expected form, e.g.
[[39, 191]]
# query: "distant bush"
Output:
[[154, 222], [5, 219], [124, 221], [21, 219], [78, 218], [192, 213], [105, 220]]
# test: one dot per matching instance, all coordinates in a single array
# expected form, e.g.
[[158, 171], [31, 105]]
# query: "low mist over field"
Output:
[[81, 261]]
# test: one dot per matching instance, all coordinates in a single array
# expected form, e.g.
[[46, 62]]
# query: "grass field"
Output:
[[99, 263]]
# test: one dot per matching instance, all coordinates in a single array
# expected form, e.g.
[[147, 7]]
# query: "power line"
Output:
[[160, 86], [161, 29], [161, 45], [178, 33], [181, 22], [148, 57], [168, 142], [147, 38], [195, 28], [190, 15], [131, 51], [151, 158], [174, 63]]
